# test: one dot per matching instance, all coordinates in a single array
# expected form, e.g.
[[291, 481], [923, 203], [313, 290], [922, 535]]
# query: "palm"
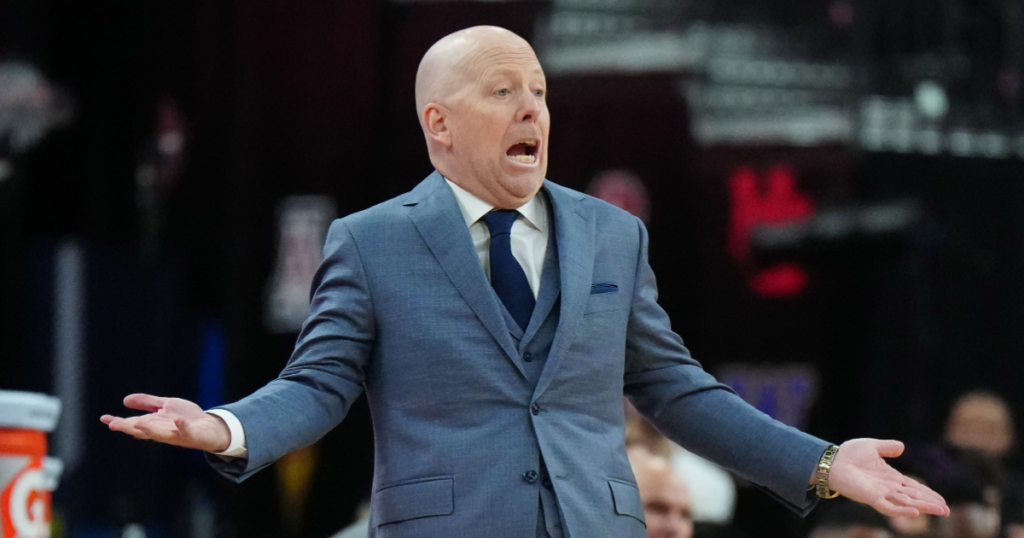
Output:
[[173, 421], [860, 474]]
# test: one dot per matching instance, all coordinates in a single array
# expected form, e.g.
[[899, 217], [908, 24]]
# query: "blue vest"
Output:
[[534, 345]]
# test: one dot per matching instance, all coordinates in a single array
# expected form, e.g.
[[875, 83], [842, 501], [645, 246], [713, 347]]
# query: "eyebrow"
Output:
[[506, 71], [500, 72]]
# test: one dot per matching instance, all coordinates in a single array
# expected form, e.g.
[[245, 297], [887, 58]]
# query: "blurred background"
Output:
[[834, 191]]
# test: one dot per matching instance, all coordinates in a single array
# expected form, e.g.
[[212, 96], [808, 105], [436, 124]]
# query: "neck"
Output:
[[500, 200]]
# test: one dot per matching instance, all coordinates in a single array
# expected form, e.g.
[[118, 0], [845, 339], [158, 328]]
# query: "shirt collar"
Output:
[[534, 211]]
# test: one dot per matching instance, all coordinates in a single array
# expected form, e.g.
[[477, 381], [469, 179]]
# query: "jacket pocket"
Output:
[[626, 498], [423, 497], [597, 289]]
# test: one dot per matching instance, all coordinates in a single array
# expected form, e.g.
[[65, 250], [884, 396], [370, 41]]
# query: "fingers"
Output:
[[890, 449], [934, 509], [163, 423], [147, 427], [914, 495], [920, 491], [144, 402], [903, 500], [922, 497], [123, 425], [888, 508]]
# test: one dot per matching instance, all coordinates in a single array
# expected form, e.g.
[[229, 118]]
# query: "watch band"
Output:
[[821, 476]]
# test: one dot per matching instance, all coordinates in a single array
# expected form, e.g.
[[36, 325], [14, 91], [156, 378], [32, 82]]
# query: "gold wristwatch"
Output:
[[821, 475]]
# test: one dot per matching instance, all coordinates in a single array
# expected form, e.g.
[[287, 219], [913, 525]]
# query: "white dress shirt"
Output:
[[529, 240], [529, 233]]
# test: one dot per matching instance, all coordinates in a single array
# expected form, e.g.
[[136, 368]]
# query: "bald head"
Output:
[[446, 68], [481, 98], [665, 497]]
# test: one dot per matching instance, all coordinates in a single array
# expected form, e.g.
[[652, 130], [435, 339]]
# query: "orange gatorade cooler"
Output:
[[27, 476]]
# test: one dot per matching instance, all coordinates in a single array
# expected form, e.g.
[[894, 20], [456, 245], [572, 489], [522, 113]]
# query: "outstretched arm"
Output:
[[689, 406], [311, 395], [173, 421]]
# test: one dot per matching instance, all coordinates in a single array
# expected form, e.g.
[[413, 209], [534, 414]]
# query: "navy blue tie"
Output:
[[507, 276]]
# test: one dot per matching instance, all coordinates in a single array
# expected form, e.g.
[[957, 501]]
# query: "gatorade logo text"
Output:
[[24, 503]]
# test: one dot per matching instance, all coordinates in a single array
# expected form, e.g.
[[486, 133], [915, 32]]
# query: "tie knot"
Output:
[[500, 221]]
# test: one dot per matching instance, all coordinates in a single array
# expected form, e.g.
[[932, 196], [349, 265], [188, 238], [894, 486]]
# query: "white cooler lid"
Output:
[[28, 410], [52, 469]]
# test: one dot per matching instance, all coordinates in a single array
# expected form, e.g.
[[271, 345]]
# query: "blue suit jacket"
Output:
[[402, 310]]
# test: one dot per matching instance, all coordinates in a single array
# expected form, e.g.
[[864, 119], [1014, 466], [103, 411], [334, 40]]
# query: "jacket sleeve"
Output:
[[325, 373], [693, 409]]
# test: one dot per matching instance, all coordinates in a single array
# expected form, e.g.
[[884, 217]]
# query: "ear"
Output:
[[435, 123]]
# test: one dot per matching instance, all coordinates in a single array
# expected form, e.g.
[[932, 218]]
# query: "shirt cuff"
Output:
[[236, 448]]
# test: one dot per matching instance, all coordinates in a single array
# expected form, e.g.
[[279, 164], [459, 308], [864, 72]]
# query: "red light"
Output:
[[781, 203], [782, 280]]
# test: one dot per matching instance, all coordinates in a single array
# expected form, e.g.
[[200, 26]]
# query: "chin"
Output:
[[524, 186]]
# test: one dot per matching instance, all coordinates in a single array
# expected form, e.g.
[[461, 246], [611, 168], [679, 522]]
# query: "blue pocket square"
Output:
[[603, 288]]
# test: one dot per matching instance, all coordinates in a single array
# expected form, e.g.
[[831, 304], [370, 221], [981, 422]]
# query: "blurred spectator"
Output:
[[842, 518], [984, 421], [712, 489], [665, 497], [640, 432], [974, 494], [981, 420], [972, 483]]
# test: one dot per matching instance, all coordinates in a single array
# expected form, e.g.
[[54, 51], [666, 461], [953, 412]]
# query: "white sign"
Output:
[[302, 223]]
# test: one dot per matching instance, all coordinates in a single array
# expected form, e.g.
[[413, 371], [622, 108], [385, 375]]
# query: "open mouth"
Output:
[[524, 152]]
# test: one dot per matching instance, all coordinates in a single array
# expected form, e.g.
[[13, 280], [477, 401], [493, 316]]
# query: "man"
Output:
[[983, 421], [494, 346], [666, 498], [711, 490]]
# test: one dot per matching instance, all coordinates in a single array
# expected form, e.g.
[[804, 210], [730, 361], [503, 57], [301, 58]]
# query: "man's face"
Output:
[[981, 423], [666, 507], [500, 122]]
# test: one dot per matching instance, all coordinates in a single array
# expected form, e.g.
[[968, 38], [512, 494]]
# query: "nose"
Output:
[[530, 108]]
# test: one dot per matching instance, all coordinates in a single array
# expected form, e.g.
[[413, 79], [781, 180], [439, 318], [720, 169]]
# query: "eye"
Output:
[[539, 93], [502, 92]]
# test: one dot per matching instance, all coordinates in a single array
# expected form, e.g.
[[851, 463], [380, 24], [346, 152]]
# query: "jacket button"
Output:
[[535, 409], [527, 356], [530, 476]]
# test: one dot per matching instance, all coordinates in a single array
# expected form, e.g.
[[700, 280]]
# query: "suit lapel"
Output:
[[436, 215], [550, 284], [574, 229]]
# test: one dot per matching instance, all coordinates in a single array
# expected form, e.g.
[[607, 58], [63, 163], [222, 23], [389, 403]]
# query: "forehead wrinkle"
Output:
[[507, 69], [486, 61]]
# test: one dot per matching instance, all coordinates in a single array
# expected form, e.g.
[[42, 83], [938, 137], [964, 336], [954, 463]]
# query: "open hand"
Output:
[[859, 473], [173, 421]]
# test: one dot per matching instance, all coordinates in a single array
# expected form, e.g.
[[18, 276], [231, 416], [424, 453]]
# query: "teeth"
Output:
[[529, 142], [528, 159]]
